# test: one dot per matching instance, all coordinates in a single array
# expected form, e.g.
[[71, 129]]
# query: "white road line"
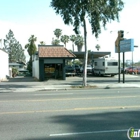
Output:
[[45, 94], [89, 132]]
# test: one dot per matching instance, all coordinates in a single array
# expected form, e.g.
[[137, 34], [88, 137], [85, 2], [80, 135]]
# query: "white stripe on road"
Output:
[[89, 132], [45, 94]]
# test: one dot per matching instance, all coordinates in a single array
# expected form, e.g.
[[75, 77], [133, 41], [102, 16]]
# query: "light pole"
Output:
[[132, 58]]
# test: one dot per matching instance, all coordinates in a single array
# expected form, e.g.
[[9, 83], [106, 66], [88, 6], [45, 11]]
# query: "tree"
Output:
[[42, 43], [97, 47], [55, 41], [14, 72], [65, 39], [13, 48], [57, 33], [98, 12], [72, 39], [31, 49], [79, 41]]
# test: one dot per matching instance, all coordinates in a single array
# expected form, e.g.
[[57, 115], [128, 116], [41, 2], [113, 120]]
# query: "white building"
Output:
[[4, 65]]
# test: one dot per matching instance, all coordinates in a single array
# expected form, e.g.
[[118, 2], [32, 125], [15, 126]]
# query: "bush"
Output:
[[14, 71]]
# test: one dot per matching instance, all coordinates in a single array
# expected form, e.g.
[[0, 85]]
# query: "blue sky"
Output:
[[27, 17]]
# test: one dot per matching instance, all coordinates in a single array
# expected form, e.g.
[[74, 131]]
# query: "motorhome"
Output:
[[105, 66]]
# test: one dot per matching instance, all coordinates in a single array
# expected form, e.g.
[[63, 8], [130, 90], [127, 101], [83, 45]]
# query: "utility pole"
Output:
[[132, 58]]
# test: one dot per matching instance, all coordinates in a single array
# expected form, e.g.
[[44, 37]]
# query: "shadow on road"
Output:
[[94, 122]]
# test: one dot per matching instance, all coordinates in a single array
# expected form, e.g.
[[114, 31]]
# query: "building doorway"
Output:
[[53, 71]]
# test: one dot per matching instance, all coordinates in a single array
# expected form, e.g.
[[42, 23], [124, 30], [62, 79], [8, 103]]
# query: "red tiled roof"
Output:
[[54, 52]]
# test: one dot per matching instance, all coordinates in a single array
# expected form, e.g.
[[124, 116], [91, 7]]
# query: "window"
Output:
[[103, 63], [112, 63]]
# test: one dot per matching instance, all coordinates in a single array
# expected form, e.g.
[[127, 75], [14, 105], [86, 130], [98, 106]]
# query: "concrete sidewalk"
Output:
[[29, 84]]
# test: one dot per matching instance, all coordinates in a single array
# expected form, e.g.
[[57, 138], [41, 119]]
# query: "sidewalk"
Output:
[[29, 84]]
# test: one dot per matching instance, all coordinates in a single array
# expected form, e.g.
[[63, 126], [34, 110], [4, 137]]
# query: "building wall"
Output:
[[38, 66], [4, 65]]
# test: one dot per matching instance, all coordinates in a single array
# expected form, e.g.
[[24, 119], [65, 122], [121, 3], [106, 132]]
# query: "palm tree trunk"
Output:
[[79, 48], [85, 56]]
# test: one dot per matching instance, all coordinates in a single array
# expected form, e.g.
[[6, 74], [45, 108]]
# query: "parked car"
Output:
[[77, 68], [131, 70], [70, 70], [138, 70], [89, 69], [121, 70]]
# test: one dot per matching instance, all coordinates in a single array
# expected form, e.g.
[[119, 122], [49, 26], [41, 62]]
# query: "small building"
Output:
[[4, 65], [49, 62], [17, 65], [20, 66]]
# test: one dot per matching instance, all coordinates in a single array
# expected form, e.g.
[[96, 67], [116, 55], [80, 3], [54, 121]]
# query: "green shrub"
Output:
[[14, 71]]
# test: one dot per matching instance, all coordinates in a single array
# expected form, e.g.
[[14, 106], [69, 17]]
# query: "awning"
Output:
[[91, 55]]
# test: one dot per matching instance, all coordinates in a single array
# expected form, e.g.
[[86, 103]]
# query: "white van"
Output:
[[105, 66]]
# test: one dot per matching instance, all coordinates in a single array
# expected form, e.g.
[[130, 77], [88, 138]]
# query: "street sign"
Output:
[[127, 45]]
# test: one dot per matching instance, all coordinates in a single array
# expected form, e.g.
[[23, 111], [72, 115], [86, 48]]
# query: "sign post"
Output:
[[117, 49], [123, 67], [125, 45]]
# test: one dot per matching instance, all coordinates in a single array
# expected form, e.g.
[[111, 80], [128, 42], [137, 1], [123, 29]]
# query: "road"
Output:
[[69, 115]]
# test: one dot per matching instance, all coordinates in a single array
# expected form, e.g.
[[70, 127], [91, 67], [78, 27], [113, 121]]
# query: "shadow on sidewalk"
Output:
[[22, 79]]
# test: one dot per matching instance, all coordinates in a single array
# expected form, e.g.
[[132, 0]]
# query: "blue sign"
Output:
[[126, 45]]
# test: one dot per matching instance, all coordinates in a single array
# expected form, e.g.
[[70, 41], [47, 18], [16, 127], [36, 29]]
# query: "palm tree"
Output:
[[57, 33], [79, 42], [31, 48], [97, 47], [72, 39], [42, 43], [65, 39], [55, 41]]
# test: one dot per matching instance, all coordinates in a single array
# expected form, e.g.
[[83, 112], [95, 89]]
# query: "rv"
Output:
[[105, 66]]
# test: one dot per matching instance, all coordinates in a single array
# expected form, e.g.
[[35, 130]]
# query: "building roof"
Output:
[[91, 55], [14, 64], [54, 52]]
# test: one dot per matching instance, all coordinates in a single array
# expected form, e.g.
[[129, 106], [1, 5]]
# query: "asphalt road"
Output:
[[99, 114]]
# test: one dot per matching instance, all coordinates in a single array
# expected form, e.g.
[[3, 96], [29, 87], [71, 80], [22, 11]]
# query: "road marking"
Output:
[[72, 109], [89, 132], [45, 94], [67, 99]]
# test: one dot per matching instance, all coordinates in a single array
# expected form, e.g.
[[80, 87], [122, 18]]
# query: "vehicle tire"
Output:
[[112, 75]]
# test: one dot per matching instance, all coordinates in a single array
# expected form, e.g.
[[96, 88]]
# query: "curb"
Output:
[[69, 87]]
